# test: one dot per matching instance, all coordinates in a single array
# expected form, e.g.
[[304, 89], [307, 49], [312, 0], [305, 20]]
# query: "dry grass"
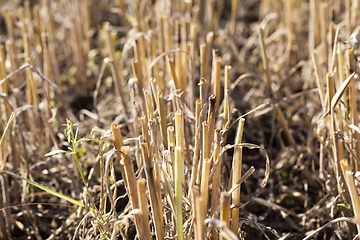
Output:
[[118, 119]]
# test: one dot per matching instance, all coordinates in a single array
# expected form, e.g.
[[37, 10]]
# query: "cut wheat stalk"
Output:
[[137, 71], [153, 128], [236, 176], [46, 70], [102, 204], [161, 30], [193, 42], [205, 141], [156, 212], [331, 102], [171, 148], [204, 187], [216, 82], [50, 29], [195, 192], [179, 135], [172, 72], [77, 39], [143, 207], [168, 34], [197, 148], [28, 22], [132, 189], [353, 14], [312, 25], [4, 107], [347, 17], [234, 5], [179, 173], [178, 57], [145, 131], [162, 117], [199, 217], [31, 87], [209, 43], [319, 81], [354, 119], [350, 183], [227, 86], [210, 14], [10, 46], [205, 151], [203, 96], [118, 143], [149, 106], [225, 210], [184, 56], [216, 179], [10, 49], [211, 119], [5, 86], [140, 53], [38, 29], [202, 60]]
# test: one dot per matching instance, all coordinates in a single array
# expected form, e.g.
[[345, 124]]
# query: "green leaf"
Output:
[[7, 127], [118, 53], [84, 139], [81, 151], [345, 205], [69, 199], [56, 152]]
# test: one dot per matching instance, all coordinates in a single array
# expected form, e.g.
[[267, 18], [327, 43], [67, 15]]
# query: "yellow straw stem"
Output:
[[234, 4], [156, 211], [178, 191], [202, 85], [202, 60], [173, 73], [179, 133], [211, 118], [236, 173], [227, 76], [209, 43], [145, 130], [149, 106], [225, 210], [179, 128], [206, 149], [143, 207], [204, 187], [350, 182], [162, 116], [200, 216], [137, 71], [216, 180], [217, 82], [353, 107], [132, 187], [118, 142]]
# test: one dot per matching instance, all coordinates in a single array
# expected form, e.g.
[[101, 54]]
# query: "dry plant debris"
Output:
[[190, 119]]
